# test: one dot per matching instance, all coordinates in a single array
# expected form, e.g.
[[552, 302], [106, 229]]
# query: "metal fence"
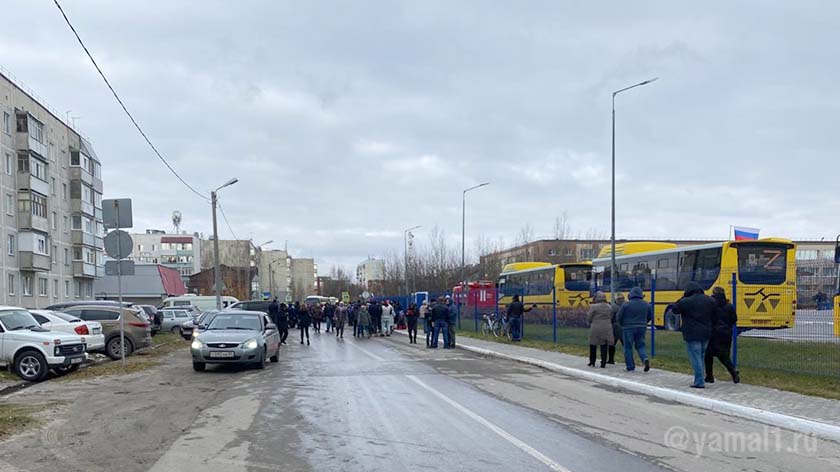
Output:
[[778, 330]]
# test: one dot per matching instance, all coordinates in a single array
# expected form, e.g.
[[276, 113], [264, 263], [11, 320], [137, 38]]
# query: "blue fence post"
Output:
[[554, 308], [522, 319], [735, 327], [475, 315], [653, 322]]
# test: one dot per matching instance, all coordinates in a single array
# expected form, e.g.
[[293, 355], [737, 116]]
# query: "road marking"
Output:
[[492, 427]]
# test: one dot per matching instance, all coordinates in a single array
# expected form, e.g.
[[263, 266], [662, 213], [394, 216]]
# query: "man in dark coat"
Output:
[[720, 344], [375, 311], [440, 320], [633, 317], [273, 310], [515, 311], [451, 322], [699, 312], [283, 323]]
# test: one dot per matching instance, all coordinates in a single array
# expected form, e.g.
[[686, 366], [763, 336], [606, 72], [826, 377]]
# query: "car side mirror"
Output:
[[270, 327]]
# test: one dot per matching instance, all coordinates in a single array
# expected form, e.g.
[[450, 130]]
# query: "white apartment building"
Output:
[[370, 270], [51, 242], [181, 252], [275, 271]]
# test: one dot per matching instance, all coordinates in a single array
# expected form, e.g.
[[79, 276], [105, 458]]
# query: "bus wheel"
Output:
[[672, 321]]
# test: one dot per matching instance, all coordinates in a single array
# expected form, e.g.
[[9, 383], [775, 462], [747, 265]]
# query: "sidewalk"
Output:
[[809, 415]]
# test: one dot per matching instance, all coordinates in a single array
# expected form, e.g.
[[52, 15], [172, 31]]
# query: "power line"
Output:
[[119, 100], [224, 217]]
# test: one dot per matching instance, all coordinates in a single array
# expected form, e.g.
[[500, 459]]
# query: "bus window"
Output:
[[707, 267], [578, 278], [764, 264]]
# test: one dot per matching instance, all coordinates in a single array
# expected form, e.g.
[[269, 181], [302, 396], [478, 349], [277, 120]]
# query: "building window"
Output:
[[64, 191], [54, 255], [10, 164], [52, 186], [10, 245], [10, 204], [66, 224], [77, 254], [78, 288], [55, 288], [7, 123], [66, 257], [41, 245], [11, 284], [26, 285], [36, 130], [43, 285], [67, 288]]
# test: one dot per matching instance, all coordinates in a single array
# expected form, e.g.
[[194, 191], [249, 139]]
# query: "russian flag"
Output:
[[745, 234]]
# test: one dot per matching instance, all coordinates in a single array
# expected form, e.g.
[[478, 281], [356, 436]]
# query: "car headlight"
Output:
[[250, 344], [196, 344]]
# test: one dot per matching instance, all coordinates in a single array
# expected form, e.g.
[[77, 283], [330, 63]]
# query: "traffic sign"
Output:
[[345, 297], [116, 213], [365, 294], [119, 267], [288, 298], [118, 244]]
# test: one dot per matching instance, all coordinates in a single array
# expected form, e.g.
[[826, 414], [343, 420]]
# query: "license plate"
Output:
[[96, 330], [77, 360], [221, 354]]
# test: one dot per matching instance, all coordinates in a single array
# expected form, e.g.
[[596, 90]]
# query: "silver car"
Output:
[[236, 337], [172, 318]]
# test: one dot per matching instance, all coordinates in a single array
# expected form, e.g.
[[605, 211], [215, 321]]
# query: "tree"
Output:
[[526, 235], [561, 226]]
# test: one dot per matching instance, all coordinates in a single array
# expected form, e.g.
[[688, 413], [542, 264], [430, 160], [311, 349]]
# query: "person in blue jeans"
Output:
[[633, 317], [699, 314], [440, 320], [515, 312]]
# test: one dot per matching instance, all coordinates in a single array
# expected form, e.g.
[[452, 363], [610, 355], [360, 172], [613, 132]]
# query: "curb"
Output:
[[771, 418]]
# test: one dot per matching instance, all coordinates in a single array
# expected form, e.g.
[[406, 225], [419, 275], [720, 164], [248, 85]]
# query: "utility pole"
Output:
[[463, 283], [217, 276]]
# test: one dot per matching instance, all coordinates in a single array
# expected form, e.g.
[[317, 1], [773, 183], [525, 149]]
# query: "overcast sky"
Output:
[[348, 121]]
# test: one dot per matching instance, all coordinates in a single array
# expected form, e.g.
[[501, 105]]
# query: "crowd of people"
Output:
[[368, 319]]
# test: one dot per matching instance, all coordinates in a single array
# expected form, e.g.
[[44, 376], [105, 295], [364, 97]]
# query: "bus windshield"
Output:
[[764, 264]]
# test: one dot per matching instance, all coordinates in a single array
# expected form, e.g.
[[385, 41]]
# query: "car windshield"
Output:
[[17, 319], [244, 322]]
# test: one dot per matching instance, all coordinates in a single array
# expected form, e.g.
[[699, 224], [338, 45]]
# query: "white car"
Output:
[[32, 350], [90, 331]]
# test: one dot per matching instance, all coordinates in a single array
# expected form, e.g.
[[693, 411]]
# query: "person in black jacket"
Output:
[[273, 309], [283, 323], [699, 312], [720, 343], [515, 311], [440, 320], [304, 319], [375, 310]]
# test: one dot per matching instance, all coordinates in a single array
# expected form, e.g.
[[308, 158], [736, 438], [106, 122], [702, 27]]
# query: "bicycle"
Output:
[[494, 324]]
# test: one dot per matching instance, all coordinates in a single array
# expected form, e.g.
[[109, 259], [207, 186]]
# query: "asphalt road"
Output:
[[382, 404]]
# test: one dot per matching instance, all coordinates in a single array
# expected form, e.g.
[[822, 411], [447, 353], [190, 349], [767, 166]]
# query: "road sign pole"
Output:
[[119, 287]]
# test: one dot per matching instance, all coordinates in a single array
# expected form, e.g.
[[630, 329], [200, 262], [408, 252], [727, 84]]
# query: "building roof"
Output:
[[149, 280]]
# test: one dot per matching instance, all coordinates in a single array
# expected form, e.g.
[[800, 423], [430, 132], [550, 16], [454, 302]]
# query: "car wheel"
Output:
[[67, 369], [113, 348], [199, 366], [31, 366], [261, 363], [174, 329]]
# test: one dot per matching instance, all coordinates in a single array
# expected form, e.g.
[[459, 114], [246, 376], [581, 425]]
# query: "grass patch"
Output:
[[808, 369], [164, 343], [6, 375], [14, 418]]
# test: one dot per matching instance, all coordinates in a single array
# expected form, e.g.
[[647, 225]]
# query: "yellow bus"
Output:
[[765, 271], [535, 281]]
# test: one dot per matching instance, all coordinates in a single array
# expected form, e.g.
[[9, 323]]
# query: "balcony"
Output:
[[100, 271], [34, 261], [99, 243], [25, 142], [79, 237], [77, 173], [27, 181], [27, 221], [84, 269], [97, 184], [97, 214], [78, 205]]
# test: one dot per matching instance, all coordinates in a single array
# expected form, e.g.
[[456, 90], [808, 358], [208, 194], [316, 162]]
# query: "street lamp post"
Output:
[[217, 278], [405, 243], [463, 234], [612, 215]]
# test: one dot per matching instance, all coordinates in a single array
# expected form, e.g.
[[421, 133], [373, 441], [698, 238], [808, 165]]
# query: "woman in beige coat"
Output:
[[600, 328]]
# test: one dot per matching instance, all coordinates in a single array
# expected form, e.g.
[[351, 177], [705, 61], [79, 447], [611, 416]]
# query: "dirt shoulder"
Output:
[[113, 421]]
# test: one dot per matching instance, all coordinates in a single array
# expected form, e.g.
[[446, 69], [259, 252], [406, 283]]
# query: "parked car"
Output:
[[173, 318], [138, 331], [32, 350], [61, 306], [197, 325], [90, 331], [236, 337], [207, 302], [251, 305], [154, 317]]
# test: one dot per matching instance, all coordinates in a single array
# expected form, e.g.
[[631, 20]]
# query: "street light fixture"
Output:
[[217, 277], [463, 232], [405, 243], [612, 219]]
